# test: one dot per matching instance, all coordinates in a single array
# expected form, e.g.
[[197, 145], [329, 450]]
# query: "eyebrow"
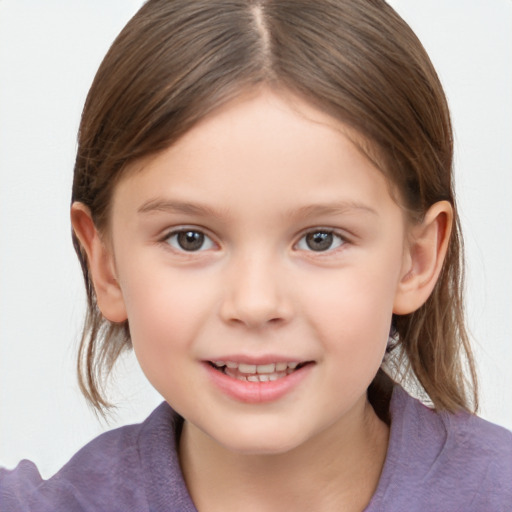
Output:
[[313, 210], [335, 208], [168, 206]]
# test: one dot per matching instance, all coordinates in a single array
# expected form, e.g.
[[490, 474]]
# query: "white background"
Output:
[[49, 52]]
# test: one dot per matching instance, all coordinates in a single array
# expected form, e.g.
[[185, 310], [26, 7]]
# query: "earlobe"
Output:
[[424, 258], [101, 264]]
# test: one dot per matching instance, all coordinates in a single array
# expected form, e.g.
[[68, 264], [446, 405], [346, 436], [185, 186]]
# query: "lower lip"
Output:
[[257, 392]]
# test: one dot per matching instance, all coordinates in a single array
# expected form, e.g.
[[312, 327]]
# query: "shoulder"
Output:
[[87, 480], [463, 436], [482, 442], [109, 473], [446, 461], [480, 455]]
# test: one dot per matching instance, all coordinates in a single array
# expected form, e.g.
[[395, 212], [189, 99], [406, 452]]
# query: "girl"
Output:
[[263, 209]]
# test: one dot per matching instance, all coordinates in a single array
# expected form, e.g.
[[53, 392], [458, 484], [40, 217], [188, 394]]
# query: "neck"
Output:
[[338, 469]]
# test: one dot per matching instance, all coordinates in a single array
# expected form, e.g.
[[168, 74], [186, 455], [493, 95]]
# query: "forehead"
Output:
[[262, 146]]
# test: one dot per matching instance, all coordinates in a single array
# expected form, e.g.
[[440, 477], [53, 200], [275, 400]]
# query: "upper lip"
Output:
[[258, 360]]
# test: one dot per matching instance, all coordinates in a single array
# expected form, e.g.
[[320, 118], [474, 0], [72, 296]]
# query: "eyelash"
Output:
[[173, 236], [198, 245], [326, 234]]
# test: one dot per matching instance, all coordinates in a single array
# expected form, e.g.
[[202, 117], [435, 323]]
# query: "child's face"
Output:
[[262, 237]]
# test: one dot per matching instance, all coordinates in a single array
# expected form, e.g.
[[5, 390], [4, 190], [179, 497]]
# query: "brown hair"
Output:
[[177, 60]]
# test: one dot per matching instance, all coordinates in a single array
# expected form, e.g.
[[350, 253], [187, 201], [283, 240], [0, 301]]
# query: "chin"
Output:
[[262, 443], [261, 449]]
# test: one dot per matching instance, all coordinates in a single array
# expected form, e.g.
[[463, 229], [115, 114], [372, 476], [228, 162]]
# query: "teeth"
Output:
[[260, 369], [247, 368], [266, 368], [259, 378]]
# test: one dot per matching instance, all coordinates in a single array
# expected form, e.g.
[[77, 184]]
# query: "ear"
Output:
[[100, 260], [423, 259]]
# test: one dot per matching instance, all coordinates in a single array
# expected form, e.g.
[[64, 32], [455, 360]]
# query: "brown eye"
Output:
[[320, 241], [189, 240]]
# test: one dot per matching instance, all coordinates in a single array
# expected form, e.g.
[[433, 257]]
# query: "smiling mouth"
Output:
[[257, 372]]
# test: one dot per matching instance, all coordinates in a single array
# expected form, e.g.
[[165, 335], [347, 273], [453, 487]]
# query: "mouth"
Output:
[[269, 372]]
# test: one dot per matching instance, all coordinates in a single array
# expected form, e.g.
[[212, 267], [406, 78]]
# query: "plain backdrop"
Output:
[[49, 52]]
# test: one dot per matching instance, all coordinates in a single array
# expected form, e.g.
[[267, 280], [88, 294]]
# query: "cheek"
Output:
[[354, 343], [165, 313], [351, 313]]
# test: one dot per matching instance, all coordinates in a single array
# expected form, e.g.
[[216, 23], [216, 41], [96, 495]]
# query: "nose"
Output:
[[256, 294]]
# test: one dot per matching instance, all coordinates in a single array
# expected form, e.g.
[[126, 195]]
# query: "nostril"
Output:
[[253, 317], [254, 300]]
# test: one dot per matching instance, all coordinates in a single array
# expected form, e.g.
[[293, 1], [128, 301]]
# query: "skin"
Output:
[[256, 177]]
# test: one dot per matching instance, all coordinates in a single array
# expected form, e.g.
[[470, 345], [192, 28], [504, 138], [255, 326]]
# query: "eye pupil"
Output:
[[319, 241], [190, 240]]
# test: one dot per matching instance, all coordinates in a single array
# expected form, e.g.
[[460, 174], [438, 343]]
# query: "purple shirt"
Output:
[[435, 462]]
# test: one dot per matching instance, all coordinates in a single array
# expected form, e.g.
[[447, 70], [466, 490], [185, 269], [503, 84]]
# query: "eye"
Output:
[[321, 240], [189, 240]]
